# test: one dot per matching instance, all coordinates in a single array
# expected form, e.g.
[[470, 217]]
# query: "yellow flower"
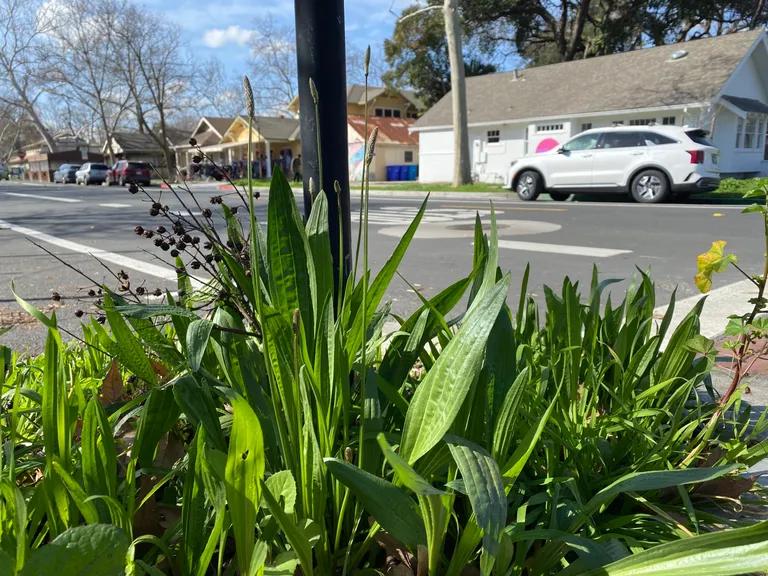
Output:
[[711, 261]]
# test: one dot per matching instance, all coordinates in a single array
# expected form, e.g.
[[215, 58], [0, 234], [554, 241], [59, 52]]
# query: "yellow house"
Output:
[[382, 102], [275, 142]]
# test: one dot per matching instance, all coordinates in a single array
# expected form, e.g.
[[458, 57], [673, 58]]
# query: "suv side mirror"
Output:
[[562, 150]]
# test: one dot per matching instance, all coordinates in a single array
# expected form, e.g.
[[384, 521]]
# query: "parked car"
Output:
[[4, 174], [66, 173], [91, 173], [129, 171], [16, 172], [652, 163]]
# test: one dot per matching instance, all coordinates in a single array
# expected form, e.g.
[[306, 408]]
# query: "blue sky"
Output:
[[221, 27]]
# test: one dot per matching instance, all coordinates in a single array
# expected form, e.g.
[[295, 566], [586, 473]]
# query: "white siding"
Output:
[[490, 160], [436, 156]]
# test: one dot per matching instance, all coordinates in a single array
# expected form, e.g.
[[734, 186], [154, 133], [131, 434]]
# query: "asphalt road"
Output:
[[557, 239]]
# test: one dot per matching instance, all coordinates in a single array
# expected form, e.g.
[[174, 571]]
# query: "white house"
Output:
[[719, 83]]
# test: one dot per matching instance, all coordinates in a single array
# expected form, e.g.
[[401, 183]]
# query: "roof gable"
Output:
[[630, 80], [391, 130]]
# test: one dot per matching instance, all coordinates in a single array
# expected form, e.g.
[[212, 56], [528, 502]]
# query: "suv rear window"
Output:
[[142, 165], [655, 139], [699, 136]]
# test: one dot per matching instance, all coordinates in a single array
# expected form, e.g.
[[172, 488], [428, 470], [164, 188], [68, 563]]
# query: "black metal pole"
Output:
[[321, 56]]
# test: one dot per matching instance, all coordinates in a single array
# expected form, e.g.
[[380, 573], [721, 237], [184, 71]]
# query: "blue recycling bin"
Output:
[[392, 173], [413, 172]]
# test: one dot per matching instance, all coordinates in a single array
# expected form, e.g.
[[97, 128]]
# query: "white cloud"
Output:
[[218, 37]]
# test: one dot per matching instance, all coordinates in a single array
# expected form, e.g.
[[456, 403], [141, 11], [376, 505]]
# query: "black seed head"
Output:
[[178, 228], [157, 292], [101, 319], [180, 245], [157, 205], [79, 313], [174, 253], [230, 244], [208, 245], [187, 238], [195, 265], [207, 212], [158, 242], [139, 230], [218, 258], [160, 229], [195, 240], [132, 188], [171, 240], [148, 233], [91, 292], [140, 290], [209, 258], [234, 209], [165, 246], [55, 296], [154, 212], [193, 142]]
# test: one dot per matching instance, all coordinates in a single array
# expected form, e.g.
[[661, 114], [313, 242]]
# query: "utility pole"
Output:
[[461, 169], [321, 56], [462, 173]]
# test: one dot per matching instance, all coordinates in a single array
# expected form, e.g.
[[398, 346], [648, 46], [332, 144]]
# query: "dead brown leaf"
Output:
[[112, 388]]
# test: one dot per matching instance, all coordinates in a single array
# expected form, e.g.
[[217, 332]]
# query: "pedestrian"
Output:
[[296, 167]]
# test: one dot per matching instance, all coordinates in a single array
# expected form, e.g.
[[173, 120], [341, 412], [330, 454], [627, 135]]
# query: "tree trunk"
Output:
[[461, 172]]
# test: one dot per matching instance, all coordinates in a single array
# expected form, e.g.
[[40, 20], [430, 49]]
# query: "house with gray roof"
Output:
[[719, 84]]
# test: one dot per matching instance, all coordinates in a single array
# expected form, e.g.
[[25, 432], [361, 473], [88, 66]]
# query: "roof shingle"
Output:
[[629, 80]]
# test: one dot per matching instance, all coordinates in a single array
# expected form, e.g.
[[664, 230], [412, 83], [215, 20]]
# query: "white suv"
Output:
[[652, 163]]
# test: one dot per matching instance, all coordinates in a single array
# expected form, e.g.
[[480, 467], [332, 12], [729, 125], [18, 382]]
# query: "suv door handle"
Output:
[[586, 155], [636, 153]]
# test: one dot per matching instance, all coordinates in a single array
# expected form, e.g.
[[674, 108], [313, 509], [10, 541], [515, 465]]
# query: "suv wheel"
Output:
[[528, 185], [559, 196], [650, 187]]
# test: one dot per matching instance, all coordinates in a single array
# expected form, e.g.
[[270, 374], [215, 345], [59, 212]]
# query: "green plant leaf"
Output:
[[388, 505], [283, 488], [289, 258], [34, 312], [198, 334], [407, 475], [440, 396], [713, 260], [131, 352], [721, 553], [146, 311], [294, 534], [482, 482], [98, 549], [242, 477], [320, 246], [656, 480]]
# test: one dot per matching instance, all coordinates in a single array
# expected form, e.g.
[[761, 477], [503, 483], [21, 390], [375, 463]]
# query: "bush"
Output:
[[257, 423]]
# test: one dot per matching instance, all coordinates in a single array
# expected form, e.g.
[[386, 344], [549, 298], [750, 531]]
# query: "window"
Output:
[[493, 136], [655, 139], [408, 156], [642, 121], [586, 126], [411, 114], [585, 142], [750, 133], [668, 121], [622, 140], [544, 128], [387, 112]]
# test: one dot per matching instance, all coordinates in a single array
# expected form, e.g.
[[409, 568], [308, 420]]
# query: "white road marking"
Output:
[[720, 304], [561, 249], [166, 273], [114, 205], [185, 213], [37, 196], [404, 215]]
